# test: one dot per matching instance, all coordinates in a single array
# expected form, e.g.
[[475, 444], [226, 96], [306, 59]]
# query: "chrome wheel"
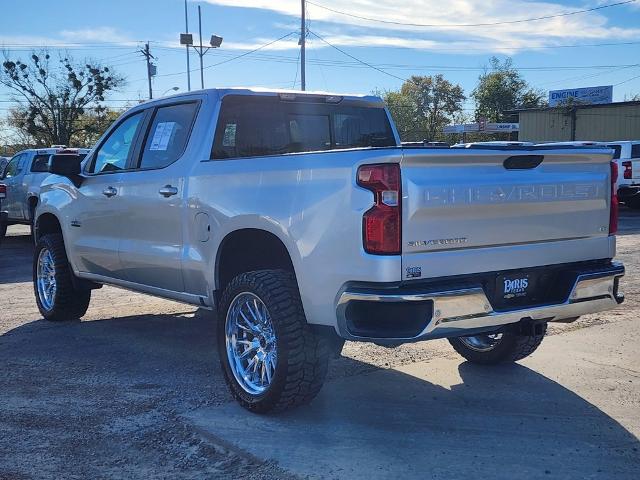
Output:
[[482, 343], [46, 279], [251, 343]]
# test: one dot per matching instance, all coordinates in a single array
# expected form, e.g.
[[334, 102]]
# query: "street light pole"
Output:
[[187, 39], [201, 52], [186, 24]]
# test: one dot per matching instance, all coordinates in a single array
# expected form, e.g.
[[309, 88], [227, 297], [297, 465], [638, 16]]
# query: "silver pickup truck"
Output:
[[301, 220]]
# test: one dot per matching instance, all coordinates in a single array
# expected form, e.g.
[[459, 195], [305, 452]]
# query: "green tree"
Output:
[[501, 88], [59, 101], [423, 105]]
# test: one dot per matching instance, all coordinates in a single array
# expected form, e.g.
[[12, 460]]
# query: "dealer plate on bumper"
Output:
[[515, 288]]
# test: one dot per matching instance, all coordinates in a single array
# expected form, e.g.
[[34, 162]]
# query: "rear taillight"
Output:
[[3, 191], [381, 223], [613, 212], [628, 170]]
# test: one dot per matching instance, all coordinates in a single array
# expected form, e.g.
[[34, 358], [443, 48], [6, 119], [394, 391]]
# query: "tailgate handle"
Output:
[[523, 162]]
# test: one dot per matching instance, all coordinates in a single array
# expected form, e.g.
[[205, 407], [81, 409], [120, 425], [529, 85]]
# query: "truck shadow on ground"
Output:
[[442, 419], [16, 257]]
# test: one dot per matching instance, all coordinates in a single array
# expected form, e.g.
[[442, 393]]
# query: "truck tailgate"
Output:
[[472, 206]]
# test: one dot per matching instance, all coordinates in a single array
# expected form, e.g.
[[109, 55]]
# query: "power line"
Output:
[[626, 81], [251, 51], [357, 59], [331, 62], [232, 58], [486, 24], [584, 77]]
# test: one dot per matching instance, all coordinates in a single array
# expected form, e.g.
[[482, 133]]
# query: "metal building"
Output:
[[613, 121]]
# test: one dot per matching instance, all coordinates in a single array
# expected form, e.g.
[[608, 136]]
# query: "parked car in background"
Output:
[[627, 155], [304, 222], [3, 163], [22, 177]]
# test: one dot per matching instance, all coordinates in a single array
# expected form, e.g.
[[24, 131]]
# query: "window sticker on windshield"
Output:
[[162, 135]]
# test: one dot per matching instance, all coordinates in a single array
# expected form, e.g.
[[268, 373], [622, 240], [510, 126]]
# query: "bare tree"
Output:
[[58, 101]]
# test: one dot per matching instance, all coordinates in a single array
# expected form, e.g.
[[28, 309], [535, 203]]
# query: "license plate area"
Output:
[[516, 288]]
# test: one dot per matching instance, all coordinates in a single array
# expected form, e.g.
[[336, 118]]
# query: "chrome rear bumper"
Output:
[[467, 311]]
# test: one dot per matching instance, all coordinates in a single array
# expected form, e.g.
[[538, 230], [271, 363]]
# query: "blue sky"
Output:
[[111, 31]]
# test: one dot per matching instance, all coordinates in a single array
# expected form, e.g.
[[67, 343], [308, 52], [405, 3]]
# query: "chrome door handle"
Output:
[[110, 192], [168, 191]]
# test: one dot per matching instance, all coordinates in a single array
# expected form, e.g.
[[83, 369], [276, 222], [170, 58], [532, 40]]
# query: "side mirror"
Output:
[[64, 164], [67, 165]]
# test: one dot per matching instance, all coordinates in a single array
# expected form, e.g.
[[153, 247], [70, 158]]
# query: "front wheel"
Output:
[[502, 347], [271, 358], [56, 294]]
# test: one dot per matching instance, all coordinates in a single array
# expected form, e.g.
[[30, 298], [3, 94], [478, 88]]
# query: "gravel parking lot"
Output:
[[135, 390]]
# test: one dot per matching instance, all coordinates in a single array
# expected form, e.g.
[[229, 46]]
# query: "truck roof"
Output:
[[271, 92]]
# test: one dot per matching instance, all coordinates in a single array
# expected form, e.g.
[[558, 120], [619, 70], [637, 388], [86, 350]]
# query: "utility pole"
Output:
[[303, 38], [150, 67], [186, 24]]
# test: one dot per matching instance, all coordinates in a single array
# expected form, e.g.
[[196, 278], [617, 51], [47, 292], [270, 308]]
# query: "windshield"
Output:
[[616, 151]]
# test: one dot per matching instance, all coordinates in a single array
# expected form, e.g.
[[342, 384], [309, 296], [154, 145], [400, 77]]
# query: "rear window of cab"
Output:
[[251, 126]]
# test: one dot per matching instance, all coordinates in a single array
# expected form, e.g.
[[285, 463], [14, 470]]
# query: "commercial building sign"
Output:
[[593, 95], [482, 127]]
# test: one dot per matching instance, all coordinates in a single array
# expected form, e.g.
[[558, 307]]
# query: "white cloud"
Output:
[[70, 38], [349, 31], [97, 35]]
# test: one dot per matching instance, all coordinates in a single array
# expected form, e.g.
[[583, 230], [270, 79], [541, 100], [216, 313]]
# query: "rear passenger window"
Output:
[[635, 151], [40, 164], [168, 135]]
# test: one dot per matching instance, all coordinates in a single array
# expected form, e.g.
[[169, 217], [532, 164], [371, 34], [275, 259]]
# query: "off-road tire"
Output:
[[70, 303], [303, 353], [512, 347]]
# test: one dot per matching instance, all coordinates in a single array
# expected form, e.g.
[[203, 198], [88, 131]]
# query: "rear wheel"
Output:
[[53, 282], [633, 203], [3, 229], [502, 347], [271, 358]]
